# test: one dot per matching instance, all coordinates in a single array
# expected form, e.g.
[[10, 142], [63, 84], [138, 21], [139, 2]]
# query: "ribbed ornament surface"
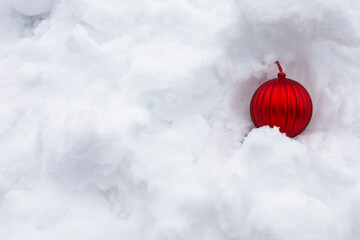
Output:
[[284, 103]]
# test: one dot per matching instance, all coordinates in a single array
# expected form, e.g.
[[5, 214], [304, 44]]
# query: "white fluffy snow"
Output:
[[130, 120]]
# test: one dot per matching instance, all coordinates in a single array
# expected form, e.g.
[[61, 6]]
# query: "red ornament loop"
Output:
[[280, 74], [279, 66]]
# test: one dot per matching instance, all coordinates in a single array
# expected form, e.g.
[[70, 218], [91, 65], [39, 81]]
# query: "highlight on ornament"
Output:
[[281, 102]]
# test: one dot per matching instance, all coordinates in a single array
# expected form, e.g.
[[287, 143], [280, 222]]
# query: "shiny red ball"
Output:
[[282, 102]]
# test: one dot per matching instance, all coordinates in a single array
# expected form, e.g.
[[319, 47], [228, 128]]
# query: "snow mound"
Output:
[[33, 7]]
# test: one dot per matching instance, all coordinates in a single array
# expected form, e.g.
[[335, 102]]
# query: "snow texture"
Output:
[[130, 120]]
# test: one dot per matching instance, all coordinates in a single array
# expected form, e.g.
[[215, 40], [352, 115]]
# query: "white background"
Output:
[[130, 120]]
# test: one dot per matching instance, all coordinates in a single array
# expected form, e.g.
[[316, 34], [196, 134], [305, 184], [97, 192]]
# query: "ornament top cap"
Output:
[[280, 74]]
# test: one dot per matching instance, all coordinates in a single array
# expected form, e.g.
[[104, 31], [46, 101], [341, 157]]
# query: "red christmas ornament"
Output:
[[281, 102]]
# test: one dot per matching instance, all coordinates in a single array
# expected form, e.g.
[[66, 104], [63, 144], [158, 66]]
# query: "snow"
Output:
[[32, 7], [130, 120]]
